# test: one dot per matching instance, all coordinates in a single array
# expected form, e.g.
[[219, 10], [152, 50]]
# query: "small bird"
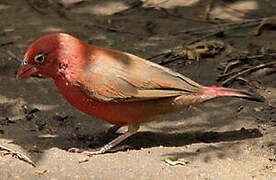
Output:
[[115, 86]]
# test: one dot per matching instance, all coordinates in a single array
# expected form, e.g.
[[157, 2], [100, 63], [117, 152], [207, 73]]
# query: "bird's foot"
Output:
[[101, 150], [132, 129], [87, 152]]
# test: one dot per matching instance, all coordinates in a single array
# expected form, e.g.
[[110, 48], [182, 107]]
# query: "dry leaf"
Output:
[[174, 162], [200, 49], [268, 23]]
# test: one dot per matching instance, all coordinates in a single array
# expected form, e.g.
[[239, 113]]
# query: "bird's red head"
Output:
[[45, 55]]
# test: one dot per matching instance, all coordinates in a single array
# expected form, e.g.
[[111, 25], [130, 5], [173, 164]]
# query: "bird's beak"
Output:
[[25, 70]]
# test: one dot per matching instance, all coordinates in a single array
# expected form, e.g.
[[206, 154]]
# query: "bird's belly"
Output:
[[115, 113], [121, 112]]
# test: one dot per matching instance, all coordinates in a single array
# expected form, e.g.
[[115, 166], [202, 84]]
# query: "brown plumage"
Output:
[[117, 87]]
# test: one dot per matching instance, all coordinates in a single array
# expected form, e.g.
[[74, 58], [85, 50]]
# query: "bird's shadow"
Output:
[[149, 139], [155, 139], [45, 131], [143, 139]]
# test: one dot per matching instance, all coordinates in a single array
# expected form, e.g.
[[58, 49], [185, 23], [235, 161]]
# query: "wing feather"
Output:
[[116, 76]]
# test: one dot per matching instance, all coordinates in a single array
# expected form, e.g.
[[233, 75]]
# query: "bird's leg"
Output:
[[109, 131], [96, 137], [132, 129]]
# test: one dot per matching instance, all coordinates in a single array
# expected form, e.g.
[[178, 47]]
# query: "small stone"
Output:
[[259, 109]]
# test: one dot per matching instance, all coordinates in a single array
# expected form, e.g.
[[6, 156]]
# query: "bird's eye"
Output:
[[39, 58]]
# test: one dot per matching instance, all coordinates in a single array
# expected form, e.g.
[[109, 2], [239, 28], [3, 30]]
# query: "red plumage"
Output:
[[117, 87]]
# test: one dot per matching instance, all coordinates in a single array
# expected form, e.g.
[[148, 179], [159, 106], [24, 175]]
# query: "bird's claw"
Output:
[[86, 152], [75, 150], [101, 150]]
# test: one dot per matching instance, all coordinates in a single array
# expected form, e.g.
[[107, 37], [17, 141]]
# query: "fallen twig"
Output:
[[112, 29], [5, 43], [17, 155], [33, 6], [248, 70], [83, 160], [231, 65], [239, 60], [248, 82], [219, 29], [223, 27], [203, 37], [258, 56], [14, 57], [57, 7], [77, 4], [196, 19], [132, 5], [210, 32]]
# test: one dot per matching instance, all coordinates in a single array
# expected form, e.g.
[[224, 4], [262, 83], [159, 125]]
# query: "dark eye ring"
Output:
[[39, 58]]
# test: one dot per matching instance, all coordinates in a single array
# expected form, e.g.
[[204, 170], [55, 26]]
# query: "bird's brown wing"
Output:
[[116, 76]]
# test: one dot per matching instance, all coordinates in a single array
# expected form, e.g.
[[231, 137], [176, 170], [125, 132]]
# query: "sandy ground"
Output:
[[222, 139]]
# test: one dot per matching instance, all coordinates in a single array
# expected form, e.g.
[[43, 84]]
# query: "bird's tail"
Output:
[[221, 91]]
